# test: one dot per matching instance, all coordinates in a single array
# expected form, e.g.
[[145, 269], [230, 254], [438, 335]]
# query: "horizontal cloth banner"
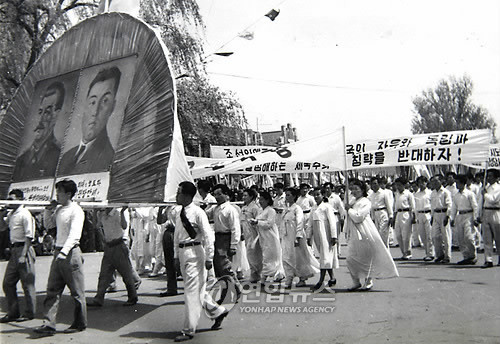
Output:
[[454, 147], [493, 159], [323, 154]]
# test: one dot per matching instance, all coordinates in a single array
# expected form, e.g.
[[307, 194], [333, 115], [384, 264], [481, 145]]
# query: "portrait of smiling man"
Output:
[[94, 153]]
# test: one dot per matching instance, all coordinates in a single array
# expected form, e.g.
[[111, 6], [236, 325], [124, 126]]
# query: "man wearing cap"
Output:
[[21, 265]]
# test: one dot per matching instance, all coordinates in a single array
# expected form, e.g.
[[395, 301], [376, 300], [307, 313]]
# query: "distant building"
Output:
[[287, 134], [253, 138]]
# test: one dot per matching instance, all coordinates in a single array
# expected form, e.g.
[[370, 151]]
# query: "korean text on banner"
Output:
[[456, 147], [320, 154]]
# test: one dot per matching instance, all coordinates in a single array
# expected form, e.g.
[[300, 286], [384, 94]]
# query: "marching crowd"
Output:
[[284, 235]]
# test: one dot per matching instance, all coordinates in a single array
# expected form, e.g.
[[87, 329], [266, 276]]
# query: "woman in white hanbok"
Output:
[[272, 265], [250, 210], [141, 250], [367, 256], [298, 259], [323, 229]]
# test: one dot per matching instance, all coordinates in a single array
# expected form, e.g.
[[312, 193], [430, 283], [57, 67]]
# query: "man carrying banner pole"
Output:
[[194, 250]]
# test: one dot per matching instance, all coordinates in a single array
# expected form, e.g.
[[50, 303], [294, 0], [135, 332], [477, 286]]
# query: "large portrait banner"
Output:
[[98, 107]]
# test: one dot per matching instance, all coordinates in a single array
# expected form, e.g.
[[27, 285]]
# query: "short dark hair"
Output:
[[53, 88], [375, 179], [438, 176], [107, 74], [204, 185], [267, 196], [18, 193], [67, 185], [492, 172], [461, 178], [330, 184], [401, 180], [188, 188], [224, 188], [361, 185], [451, 173], [304, 185], [295, 193], [422, 178], [279, 186], [251, 192]]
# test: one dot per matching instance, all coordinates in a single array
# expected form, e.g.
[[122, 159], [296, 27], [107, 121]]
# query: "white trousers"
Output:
[[194, 273]]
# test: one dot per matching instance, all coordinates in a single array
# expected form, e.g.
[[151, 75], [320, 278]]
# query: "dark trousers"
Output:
[[168, 251], [4, 243], [116, 258], [24, 272], [222, 261], [66, 272]]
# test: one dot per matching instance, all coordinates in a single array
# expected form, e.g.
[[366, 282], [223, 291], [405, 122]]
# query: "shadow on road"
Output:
[[159, 335]]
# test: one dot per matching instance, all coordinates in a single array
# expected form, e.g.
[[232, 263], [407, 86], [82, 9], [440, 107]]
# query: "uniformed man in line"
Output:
[[440, 215], [451, 186], [423, 216], [382, 212], [464, 214], [194, 251], [404, 208], [491, 217], [21, 265]]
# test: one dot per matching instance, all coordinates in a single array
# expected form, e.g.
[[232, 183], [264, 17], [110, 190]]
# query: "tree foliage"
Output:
[[181, 27], [206, 113], [32, 25], [208, 116], [449, 107]]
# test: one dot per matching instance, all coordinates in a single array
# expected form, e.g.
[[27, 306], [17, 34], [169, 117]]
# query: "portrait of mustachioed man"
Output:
[[44, 130]]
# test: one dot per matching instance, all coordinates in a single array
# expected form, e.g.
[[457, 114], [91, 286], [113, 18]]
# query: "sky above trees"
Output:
[[352, 63]]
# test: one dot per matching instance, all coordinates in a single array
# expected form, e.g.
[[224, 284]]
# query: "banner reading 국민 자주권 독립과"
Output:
[[455, 147], [320, 155]]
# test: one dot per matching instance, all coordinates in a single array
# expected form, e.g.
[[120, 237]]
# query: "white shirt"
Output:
[[463, 201], [423, 200], [382, 199], [404, 200], [21, 225], [441, 199], [337, 204], [112, 225], [204, 233], [69, 221], [306, 202], [227, 220]]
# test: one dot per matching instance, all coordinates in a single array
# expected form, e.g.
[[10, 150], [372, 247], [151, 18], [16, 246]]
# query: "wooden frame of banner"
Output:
[[95, 205]]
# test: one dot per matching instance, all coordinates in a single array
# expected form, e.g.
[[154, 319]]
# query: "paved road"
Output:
[[428, 304]]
